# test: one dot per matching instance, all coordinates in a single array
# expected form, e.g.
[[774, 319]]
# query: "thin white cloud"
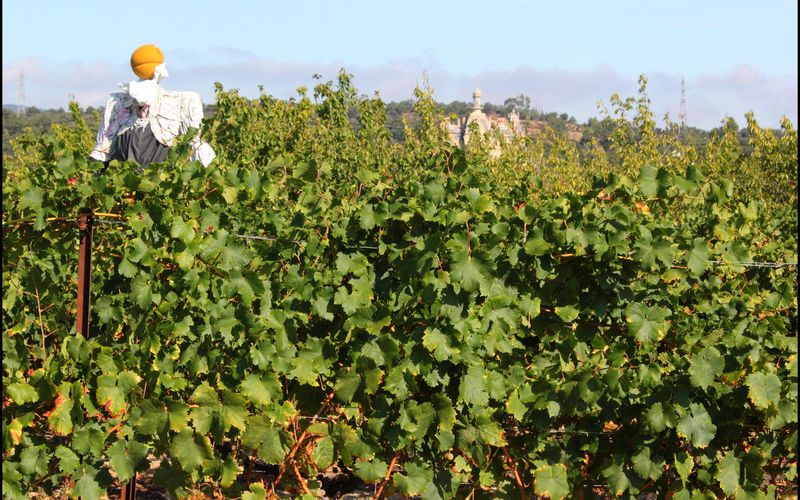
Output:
[[709, 98], [769, 97], [50, 86]]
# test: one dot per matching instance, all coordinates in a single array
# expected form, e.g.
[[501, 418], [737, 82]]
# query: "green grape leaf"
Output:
[[88, 488], [439, 344], [347, 384], [190, 450], [271, 450], [22, 393], [697, 259], [141, 292], [684, 464], [473, 387], [660, 417], [33, 460], [371, 471], [648, 324], [648, 181], [151, 419], [646, 466], [650, 251], [60, 418], [468, 272], [230, 471], [127, 457], [567, 314], [68, 461], [323, 455], [89, 440], [618, 480], [728, 473], [551, 480], [696, 426], [178, 413], [705, 367], [256, 491], [764, 389], [261, 389], [416, 479], [32, 198]]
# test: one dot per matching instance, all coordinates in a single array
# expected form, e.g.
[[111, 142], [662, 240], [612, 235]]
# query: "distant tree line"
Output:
[[39, 121], [597, 129]]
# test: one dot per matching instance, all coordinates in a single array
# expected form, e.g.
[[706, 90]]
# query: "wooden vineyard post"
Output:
[[129, 489], [86, 228]]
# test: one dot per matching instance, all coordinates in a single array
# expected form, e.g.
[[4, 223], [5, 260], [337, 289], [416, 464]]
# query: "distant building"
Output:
[[459, 130]]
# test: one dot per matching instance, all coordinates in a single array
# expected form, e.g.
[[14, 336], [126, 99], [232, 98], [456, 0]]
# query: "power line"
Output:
[[266, 238], [772, 265], [296, 242], [21, 109], [110, 222], [683, 102]]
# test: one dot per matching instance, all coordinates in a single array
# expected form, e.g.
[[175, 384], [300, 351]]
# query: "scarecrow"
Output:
[[141, 122]]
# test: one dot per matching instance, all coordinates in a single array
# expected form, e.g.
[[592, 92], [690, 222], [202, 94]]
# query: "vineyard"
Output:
[[438, 322]]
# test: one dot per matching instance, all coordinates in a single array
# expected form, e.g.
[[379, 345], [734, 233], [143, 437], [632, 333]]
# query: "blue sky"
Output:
[[566, 55]]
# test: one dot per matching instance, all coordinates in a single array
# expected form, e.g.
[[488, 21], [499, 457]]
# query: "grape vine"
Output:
[[435, 320]]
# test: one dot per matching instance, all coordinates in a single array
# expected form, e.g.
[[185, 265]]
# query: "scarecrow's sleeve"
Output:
[[116, 116], [192, 117]]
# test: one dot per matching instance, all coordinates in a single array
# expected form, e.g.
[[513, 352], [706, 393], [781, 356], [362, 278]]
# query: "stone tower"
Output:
[[477, 115]]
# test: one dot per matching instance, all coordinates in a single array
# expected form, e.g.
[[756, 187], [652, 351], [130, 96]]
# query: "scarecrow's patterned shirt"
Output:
[[171, 115]]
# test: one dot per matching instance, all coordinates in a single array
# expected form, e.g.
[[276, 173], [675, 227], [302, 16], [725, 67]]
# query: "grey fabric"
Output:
[[138, 144]]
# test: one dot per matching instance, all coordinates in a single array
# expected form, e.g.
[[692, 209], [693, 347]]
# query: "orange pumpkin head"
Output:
[[145, 59]]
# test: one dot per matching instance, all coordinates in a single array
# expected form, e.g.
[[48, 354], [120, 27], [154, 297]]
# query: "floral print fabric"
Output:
[[171, 115]]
